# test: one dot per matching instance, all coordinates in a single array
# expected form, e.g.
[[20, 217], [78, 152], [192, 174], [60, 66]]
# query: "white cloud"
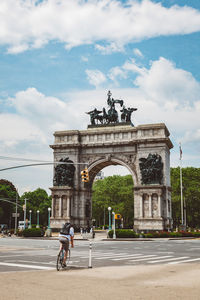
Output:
[[115, 73], [137, 52], [84, 58], [31, 24], [95, 77], [108, 49]]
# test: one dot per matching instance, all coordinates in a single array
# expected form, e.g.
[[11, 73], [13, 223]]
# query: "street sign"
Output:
[[24, 207], [14, 215]]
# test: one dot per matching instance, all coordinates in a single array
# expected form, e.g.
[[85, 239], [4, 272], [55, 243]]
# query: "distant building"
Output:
[[99, 176]]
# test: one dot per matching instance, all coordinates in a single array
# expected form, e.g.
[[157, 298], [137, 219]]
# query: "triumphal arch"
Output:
[[112, 139]]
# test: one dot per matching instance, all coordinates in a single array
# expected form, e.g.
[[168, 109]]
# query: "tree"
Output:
[[117, 192], [191, 195], [37, 200], [7, 192]]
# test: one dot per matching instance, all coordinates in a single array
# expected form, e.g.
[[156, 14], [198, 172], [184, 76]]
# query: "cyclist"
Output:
[[66, 236]]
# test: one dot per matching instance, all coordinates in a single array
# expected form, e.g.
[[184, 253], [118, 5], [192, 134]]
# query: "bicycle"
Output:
[[60, 259]]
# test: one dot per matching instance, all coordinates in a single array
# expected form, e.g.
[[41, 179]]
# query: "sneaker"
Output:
[[64, 265]]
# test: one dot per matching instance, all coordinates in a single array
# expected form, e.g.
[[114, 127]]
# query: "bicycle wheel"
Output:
[[59, 263]]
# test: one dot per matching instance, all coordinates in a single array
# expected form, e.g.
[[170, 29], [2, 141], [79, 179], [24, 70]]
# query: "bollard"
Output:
[[90, 256]]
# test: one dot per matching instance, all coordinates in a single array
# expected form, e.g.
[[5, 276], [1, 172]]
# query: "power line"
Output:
[[42, 164], [22, 159]]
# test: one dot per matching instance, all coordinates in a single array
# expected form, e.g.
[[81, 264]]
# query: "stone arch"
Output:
[[98, 165], [144, 150]]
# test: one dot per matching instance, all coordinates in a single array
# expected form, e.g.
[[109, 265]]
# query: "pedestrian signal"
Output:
[[85, 175]]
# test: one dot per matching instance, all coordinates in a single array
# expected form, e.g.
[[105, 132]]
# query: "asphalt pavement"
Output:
[[150, 269]]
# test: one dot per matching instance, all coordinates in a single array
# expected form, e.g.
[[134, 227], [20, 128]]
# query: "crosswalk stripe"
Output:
[[101, 254], [119, 257], [26, 266], [138, 256], [168, 259], [148, 258], [183, 261]]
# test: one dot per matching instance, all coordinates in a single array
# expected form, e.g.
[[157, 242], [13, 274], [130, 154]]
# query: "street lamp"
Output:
[[49, 212], [109, 210], [30, 211], [114, 234], [24, 208], [38, 225], [48, 231]]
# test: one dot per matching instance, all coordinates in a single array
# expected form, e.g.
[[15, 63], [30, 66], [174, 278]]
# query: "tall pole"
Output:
[[181, 186], [185, 216], [16, 213], [25, 214], [38, 225], [49, 211], [30, 211], [114, 234], [109, 210]]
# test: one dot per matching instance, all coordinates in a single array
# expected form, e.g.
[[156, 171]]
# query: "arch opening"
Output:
[[113, 189]]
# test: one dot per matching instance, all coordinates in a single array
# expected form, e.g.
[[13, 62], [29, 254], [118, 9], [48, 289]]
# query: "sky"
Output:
[[59, 58]]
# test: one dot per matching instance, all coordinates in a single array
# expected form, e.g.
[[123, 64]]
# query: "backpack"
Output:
[[65, 228]]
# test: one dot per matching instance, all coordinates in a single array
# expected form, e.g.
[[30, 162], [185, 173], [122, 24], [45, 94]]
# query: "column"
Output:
[[68, 207], [150, 205], [159, 206], [141, 206], [167, 209], [60, 207]]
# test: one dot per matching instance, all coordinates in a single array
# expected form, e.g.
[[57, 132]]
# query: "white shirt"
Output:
[[71, 233]]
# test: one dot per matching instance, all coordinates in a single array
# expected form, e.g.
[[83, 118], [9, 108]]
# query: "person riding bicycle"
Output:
[[66, 235]]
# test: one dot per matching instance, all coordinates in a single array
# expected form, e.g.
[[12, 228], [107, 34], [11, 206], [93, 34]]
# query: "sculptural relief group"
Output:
[[111, 115]]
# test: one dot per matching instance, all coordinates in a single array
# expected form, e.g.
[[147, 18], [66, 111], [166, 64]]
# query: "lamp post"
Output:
[[30, 211], [48, 231], [49, 212], [24, 208], [109, 210], [114, 234], [38, 225]]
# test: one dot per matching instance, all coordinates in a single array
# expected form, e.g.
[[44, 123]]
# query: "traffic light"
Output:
[[118, 217], [85, 175]]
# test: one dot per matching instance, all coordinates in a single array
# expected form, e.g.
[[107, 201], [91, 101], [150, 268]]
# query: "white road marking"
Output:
[[133, 256], [148, 258], [26, 266], [119, 257], [168, 259], [183, 261]]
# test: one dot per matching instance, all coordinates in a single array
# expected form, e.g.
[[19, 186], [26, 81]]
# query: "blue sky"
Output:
[[57, 56]]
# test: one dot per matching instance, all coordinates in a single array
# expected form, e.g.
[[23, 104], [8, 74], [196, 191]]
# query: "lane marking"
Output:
[[133, 256], [25, 266], [184, 261], [119, 257], [149, 258], [168, 259]]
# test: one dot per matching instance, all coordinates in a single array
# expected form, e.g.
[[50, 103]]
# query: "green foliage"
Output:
[[191, 195], [123, 233], [127, 233], [114, 191], [33, 232], [37, 200], [7, 192]]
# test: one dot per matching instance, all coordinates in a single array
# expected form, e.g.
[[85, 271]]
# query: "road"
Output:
[[17, 254]]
